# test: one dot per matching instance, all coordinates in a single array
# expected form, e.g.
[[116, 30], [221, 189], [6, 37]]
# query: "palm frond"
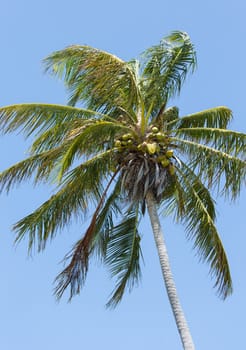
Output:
[[165, 68], [83, 140], [220, 170], [95, 77], [227, 141], [66, 131], [217, 117], [80, 186], [40, 167], [74, 274], [112, 208], [123, 255], [53, 137], [37, 118], [199, 217]]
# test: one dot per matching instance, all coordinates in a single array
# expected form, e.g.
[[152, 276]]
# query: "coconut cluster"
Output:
[[154, 146]]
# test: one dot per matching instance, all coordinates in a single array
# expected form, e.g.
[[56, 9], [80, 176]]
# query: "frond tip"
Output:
[[166, 66], [74, 274]]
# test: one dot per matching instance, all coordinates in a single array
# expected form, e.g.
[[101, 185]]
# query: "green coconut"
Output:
[[142, 146], [154, 129], [117, 143], [171, 169], [165, 162], [123, 143], [160, 136], [126, 137]]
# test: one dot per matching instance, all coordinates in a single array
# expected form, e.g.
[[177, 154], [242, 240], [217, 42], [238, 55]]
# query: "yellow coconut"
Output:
[[169, 153], [151, 148], [117, 143]]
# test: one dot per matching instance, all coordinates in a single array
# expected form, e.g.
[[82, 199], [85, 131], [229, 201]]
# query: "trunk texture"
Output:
[[167, 275]]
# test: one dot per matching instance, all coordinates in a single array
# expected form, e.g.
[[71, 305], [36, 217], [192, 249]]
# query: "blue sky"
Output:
[[30, 317]]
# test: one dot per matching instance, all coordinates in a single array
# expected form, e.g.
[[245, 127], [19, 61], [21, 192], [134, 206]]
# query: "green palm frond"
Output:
[[37, 118], [51, 216], [217, 117], [218, 169], [83, 141], [123, 255], [100, 165], [95, 77], [60, 134], [227, 141], [80, 186], [67, 131], [93, 170], [53, 137], [165, 68], [199, 217], [40, 167]]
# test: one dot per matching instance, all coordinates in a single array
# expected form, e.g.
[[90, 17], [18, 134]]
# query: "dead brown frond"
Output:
[[74, 274]]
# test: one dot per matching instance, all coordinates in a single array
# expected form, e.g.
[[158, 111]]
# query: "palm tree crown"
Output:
[[123, 143]]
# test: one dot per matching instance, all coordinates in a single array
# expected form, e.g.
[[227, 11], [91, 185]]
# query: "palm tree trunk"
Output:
[[167, 275]]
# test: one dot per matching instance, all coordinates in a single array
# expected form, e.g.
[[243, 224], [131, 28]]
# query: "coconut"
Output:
[[117, 143], [160, 136], [142, 146], [152, 148], [165, 162], [169, 153], [154, 129], [126, 137], [171, 169]]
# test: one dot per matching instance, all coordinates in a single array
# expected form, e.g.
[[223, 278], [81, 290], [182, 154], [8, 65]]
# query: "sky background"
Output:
[[30, 317]]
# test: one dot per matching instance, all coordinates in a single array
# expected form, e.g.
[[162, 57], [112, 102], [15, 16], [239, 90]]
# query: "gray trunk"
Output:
[[167, 275]]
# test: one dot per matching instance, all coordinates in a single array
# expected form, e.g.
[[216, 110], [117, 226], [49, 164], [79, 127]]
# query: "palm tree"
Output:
[[122, 151]]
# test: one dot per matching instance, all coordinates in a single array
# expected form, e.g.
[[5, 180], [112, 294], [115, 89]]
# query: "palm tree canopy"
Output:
[[122, 143]]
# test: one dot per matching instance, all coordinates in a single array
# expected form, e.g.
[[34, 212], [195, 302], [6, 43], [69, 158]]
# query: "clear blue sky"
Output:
[[30, 317]]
